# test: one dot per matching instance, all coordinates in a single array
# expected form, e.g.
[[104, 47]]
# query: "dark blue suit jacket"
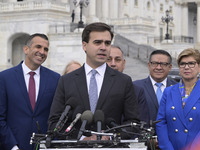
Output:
[[150, 95], [142, 103], [17, 119]]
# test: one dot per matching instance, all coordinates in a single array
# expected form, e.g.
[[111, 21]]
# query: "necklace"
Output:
[[190, 90], [184, 98]]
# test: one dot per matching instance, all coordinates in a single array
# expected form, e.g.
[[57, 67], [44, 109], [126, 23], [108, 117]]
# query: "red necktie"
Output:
[[31, 89]]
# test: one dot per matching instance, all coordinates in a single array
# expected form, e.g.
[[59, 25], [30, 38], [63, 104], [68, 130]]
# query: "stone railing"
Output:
[[127, 21], [33, 5], [175, 39]]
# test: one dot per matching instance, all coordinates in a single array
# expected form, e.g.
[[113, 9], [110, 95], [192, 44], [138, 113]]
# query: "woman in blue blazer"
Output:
[[179, 109]]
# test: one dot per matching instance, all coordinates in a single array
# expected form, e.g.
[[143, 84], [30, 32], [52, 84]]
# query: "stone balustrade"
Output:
[[126, 21], [33, 5]]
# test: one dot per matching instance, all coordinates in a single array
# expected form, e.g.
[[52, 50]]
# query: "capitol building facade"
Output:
[[133, 21]]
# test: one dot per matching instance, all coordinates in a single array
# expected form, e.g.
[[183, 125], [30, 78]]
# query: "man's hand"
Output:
[[94, 138]]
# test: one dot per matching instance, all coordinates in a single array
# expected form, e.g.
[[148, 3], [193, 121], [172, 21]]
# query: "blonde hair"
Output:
[[69, 64], [189, 52]]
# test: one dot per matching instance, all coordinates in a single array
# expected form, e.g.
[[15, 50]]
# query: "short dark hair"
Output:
[[29, 40], [97, 26], [163, 52]]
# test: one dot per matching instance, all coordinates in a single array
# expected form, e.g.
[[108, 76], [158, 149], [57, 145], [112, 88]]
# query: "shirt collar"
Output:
[[27, 70], [101, 69], [164, 82]]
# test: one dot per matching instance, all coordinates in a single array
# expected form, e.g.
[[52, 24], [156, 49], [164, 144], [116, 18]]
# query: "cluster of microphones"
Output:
[[87, 117]]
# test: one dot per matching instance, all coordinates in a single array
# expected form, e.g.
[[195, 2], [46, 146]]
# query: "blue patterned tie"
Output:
[[159, 92], [93, 95]]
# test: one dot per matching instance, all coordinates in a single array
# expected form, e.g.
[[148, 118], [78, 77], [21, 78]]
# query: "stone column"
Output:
[[105, 9], [185, 20], [198, 22], [113, 9], [92, 12]]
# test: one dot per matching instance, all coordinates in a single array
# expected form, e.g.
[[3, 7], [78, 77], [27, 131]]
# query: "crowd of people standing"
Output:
[[33, 97]]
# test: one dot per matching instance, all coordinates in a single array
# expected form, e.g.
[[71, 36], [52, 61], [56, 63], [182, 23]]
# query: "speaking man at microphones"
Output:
[[96, 86]]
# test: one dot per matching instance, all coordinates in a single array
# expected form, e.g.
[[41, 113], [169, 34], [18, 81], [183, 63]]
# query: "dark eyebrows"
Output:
[[107, 42], [39, 46]]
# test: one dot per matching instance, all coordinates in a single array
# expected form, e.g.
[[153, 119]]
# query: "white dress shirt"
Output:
[[99, 75], [26, 71], [164, 84]]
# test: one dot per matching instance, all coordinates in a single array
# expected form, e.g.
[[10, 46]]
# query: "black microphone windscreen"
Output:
[[88, 116], [109, 122], [98, 116], [72, 102]]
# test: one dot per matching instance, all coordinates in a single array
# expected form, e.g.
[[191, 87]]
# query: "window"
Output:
[[136, 2], [19, 0], [161, 34], [170, 33], [125, 1], [148, 5], [161, 7], [171, 9]]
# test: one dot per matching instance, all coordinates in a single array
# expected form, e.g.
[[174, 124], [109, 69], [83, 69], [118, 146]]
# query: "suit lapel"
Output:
[[106, 86], [80, 80], [151, 92], [22, 84], [193, 98], [43, 80]]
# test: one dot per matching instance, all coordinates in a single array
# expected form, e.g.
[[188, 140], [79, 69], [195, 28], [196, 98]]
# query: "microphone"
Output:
[[99, 119], [77, 115], [112, 124], [86, 118], [70, 104]]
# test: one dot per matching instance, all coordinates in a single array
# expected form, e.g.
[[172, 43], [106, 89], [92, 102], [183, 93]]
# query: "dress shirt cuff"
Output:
[[15, 148]]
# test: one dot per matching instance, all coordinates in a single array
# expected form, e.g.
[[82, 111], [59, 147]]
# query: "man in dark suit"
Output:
[[160, 64], [115, 91], [117, 61], [20, 117]]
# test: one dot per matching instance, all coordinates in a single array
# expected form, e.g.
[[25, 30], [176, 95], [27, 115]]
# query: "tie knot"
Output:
[[159, 84], [94, 72], [32, 73]]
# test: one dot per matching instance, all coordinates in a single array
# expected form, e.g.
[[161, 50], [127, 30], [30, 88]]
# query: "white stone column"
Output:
[[113, 9], [105, 9], [198, 23], [92, 12], [185, 20]]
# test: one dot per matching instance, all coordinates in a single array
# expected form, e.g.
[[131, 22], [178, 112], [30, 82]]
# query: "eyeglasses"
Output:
[[190, 64], [162, 64]]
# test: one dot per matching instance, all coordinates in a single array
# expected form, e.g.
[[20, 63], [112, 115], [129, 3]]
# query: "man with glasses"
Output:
[[160, 64]]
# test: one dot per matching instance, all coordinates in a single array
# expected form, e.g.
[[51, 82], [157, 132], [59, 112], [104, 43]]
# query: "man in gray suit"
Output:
[[160, 64]]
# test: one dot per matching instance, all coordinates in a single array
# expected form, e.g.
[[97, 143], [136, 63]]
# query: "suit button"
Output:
[[186, 131], [176, 130], [194, 108], [174, 118], [190, 119], [172, 107]]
